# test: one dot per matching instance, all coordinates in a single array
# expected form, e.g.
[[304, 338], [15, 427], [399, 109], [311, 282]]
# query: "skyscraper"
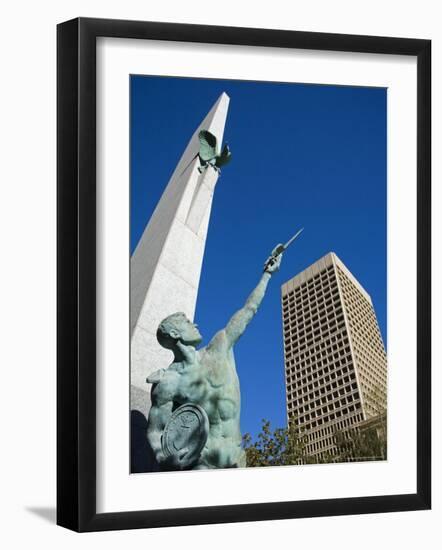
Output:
[[335, 360]]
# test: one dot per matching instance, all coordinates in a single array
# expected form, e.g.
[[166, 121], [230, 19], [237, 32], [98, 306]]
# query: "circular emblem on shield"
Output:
[[188, 427]]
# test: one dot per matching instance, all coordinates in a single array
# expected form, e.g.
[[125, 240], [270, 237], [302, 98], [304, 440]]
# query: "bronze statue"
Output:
[[194, 421]]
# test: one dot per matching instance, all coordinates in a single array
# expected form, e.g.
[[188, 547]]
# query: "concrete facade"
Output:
[[335, 360], [165, 269]]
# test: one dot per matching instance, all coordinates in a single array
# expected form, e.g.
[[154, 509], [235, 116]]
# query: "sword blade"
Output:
[[289, 242]]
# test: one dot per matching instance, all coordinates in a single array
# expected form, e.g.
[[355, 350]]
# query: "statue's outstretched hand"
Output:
[[272, 263]]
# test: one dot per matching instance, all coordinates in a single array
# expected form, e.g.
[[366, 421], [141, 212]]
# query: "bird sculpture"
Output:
[[209, 153]]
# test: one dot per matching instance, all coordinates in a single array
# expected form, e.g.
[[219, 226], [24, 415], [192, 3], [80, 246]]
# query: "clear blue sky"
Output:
[[303, 156]]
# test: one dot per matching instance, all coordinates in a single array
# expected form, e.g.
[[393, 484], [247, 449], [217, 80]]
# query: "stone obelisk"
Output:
[[165, 270]]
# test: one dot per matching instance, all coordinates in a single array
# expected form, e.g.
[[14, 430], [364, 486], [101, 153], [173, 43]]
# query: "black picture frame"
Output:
[[76, 274]]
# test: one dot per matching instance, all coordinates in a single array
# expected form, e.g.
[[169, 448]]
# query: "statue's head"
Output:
[[177, 327]]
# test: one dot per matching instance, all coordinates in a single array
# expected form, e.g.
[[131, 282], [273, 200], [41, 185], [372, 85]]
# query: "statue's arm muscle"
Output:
[[239, 321]]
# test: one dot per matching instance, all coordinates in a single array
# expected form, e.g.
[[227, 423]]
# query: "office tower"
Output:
[[335, 360]]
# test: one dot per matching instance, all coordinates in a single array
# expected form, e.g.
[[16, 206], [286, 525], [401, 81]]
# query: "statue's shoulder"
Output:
[[162, 375], [155, 377], [218, 342]]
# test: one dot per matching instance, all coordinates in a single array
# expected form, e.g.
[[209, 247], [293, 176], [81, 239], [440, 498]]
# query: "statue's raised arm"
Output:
[[239, 320]]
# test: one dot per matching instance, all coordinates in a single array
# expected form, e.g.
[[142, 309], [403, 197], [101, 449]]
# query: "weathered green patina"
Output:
[[205, 380], [209, 153]]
